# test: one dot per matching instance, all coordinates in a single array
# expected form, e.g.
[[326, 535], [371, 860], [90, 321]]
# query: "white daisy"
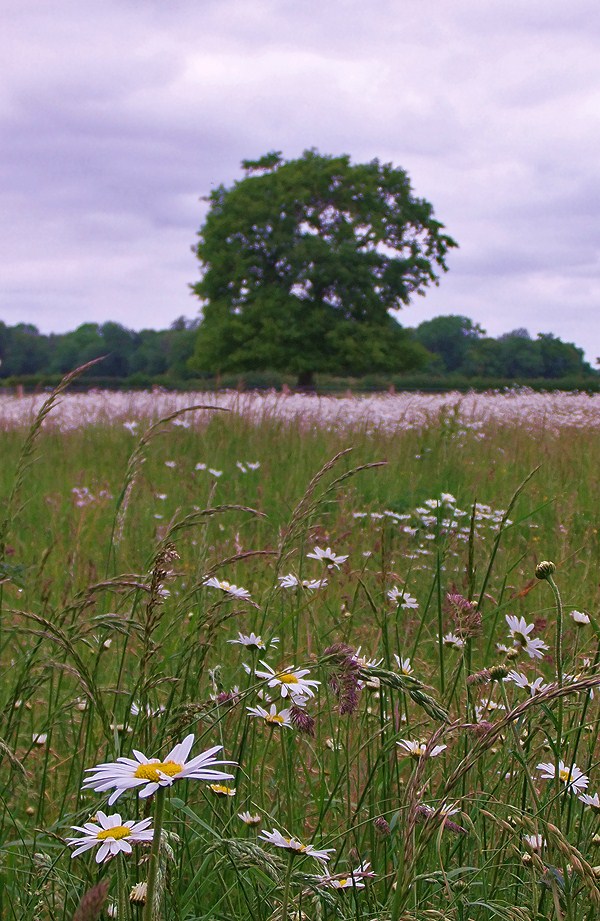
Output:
[[519, 631], [248, 819], [296, 847], [328, 557], [400, 597], [580, 618], [221, 789], [354, 880], [234, 590], [453, 641], [535, 842], [593, 801], [152, 773], [574, 779], [404, 666], [292, 581], [290, 681], [271, 717], [416, 749], [112, 834], [253, 465], [522, 681], [253, 641]]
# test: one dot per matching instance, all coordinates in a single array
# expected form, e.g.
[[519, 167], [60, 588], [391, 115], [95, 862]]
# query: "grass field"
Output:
[[177, 578]]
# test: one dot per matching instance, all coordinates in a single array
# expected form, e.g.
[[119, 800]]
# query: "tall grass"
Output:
[[112, 641]]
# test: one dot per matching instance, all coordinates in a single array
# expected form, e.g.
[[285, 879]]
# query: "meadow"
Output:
[[347, 648]]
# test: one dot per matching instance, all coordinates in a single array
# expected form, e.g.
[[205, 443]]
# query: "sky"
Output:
[[118, 117]]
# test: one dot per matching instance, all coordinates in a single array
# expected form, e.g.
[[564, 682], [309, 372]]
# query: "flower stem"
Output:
[[159, 810], [286, 889], [122, 900]]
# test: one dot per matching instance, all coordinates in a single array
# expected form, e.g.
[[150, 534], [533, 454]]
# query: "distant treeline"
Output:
[[452, 348]]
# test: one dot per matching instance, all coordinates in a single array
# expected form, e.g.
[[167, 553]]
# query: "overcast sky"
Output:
[[117, 117]]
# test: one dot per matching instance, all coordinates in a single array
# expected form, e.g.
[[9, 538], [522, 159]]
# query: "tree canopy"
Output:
[[303, 261]]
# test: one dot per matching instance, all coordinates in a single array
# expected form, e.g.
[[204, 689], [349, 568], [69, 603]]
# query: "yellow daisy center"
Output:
[[150, 771], [288, 678], [565, 774], [119, 831], [274, 718], [294, 847], [222, 789], [343, 882]]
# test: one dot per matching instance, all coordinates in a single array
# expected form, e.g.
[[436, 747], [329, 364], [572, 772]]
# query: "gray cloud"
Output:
[[115, 118]]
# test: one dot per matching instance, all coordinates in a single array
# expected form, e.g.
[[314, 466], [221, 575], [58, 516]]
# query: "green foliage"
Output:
[[304, 259]]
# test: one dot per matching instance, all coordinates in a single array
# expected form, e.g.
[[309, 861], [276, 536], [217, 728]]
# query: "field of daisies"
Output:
[[299, 659]]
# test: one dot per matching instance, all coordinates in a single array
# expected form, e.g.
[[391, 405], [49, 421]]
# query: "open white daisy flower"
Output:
[[328, 557], [111, 834], [296, 847], [353, 880], [574, 779], [235, 591], [291, 681], [591, 800], [519, 631], [249, 819], [416, 748], [254, 641], [152, 773], [292, 581], [271, 717]]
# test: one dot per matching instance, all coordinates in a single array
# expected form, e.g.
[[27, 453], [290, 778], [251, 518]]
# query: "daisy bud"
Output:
[[544, 569]]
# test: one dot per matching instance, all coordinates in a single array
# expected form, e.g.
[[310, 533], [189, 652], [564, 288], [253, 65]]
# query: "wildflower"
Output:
[[39, 738], [290, 681], [112, 834], [363, 662], [296, 847], [253, 465], [170, 463], [545, 569], [234, 590], [151, 773], [580, 618], [416, 749], [327, 556], [292, 581], [593, 801], [522, 681], [301, 720], [535, 842], [404, 665], [215, 473], [138, 894], [221, 789], [382, 826], [253, 641], [574, 779], [271, 717], [248, 819], [200, 467], [400, 597], [453, 641], [241, 467], [519, 630], [354, 880]]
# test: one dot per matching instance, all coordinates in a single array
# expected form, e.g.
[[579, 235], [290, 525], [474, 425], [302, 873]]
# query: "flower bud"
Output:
[[544, 569]]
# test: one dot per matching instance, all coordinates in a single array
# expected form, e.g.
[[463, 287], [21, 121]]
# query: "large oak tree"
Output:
[[303, 260]]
